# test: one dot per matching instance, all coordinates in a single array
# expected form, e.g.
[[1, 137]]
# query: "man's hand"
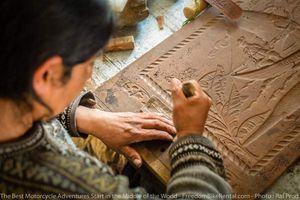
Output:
[[189, 114], [119, 130]]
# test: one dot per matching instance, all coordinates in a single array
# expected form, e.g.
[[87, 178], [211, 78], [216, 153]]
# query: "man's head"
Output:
[[48, 48]]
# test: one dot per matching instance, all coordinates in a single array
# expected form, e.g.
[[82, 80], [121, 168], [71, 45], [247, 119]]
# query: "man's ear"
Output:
[[47, 75]]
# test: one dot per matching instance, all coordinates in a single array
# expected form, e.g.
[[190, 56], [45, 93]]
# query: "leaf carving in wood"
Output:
[[231, 109], [249, 125]]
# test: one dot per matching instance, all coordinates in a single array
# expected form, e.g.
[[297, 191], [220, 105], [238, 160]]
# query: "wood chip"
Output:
[[161, 22]]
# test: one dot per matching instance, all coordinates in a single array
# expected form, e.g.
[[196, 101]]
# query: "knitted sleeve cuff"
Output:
[[67, 118], [195, 150]]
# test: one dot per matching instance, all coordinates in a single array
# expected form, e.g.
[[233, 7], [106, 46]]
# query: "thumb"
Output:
[[132, 155], [177, 94]]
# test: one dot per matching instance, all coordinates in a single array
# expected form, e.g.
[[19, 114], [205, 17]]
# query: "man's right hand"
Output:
[[189, 114]]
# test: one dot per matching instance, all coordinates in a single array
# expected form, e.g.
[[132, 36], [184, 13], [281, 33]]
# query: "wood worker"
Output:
[[47, 52]]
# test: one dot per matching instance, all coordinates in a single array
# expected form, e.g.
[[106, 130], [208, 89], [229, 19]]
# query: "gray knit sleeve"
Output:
[[197, 170], [67, 117]]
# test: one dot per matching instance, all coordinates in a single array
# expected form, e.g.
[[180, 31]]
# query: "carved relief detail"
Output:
[[262, 53], [181, 44], [135, 90], [218, 131], [158, 91], [220, 44], [155, 105], [223, 124]]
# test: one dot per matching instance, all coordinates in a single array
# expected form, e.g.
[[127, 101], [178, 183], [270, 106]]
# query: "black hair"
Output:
[[31, 31]]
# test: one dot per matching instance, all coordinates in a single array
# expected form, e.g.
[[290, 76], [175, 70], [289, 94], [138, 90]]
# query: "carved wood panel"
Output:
[[250, 68]]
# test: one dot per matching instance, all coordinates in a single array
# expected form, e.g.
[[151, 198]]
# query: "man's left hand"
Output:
[[119, 130]]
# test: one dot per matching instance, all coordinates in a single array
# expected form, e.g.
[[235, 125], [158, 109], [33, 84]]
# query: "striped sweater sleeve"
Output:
[[67, 117], [197, 170]]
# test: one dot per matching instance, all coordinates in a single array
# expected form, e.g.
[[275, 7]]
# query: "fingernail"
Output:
[[137, 163]]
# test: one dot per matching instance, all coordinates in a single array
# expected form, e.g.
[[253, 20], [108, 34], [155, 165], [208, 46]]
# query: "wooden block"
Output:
[[161, 22], [134, 12], [120, 44]]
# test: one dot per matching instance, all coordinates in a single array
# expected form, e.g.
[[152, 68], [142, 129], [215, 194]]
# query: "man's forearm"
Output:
[[88, 120]]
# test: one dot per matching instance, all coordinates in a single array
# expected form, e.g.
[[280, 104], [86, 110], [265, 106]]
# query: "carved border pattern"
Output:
[[181, 44], [276, 150]]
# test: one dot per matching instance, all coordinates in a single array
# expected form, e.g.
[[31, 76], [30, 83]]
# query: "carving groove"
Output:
[[157, 89], [274, 69], [136, 91], [155, 105]]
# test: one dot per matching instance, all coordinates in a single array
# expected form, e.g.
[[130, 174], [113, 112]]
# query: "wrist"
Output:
[[181, 134], [87, 119]]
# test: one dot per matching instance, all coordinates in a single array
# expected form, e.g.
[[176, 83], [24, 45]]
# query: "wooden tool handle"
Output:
[[188, 89]]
